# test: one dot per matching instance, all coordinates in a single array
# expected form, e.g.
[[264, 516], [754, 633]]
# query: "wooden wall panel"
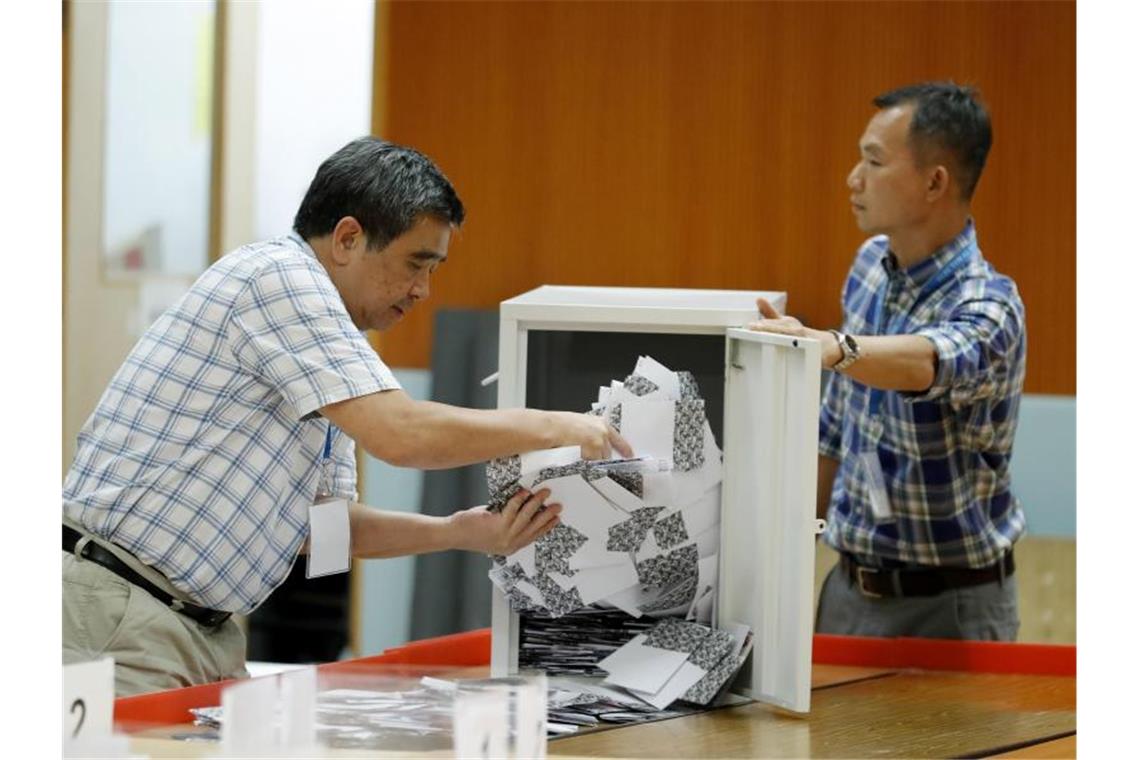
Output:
[[707, 144]]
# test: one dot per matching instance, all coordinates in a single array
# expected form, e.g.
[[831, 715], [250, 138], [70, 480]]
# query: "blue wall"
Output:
[[1045, 464], [386, 584]]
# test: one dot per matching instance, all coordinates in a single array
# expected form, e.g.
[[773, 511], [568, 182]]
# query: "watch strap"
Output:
[[848, 348]]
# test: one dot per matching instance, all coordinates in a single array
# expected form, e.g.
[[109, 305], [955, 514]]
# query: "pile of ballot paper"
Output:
[[678, 659], [640, 535]]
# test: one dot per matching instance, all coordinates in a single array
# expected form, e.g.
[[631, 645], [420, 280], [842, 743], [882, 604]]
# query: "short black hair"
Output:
[[950, 117], [384, 186]]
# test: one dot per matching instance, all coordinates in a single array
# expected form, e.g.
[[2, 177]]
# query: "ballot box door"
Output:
[[768, 523]]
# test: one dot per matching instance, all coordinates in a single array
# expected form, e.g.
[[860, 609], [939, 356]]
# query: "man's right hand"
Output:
[[596, 437]]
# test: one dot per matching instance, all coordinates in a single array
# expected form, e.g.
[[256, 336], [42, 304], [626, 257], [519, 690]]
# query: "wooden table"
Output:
[[865, 713], [963, 700]]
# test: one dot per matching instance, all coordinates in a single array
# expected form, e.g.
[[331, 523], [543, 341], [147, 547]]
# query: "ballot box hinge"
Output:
[[734, 355]]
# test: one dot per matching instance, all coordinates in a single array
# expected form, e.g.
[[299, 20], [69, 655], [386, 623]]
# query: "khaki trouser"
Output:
[[153, 646]]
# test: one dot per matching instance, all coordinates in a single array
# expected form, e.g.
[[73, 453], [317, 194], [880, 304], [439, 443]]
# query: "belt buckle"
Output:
[[862, 572], [216, 618]]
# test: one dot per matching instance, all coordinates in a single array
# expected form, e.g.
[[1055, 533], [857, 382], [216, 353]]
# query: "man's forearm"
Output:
[[449, 436], [401, 431], [890, 362], [377, 534]]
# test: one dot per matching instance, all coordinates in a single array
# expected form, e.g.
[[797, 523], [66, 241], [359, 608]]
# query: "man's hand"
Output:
[[594, 435], [774, 322], [480, 530]]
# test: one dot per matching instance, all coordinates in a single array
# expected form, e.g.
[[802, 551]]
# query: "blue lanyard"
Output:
[[931, 287], [324, 481], [928, 289]]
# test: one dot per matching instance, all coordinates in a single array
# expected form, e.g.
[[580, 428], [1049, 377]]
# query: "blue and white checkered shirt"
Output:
[[203, 454], [944, 453]]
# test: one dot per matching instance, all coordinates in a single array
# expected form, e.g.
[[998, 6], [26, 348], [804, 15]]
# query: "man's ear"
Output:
[[347, 240], [937, 182]]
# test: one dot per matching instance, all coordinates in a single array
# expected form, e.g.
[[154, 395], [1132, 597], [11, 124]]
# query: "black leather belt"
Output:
[[100, 556], [896, 582]]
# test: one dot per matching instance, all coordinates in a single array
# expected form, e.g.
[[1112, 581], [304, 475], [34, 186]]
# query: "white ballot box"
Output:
[[558, 344]]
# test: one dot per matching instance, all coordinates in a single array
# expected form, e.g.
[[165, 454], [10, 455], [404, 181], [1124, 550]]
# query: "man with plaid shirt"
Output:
[[189, 495], [919, 412]]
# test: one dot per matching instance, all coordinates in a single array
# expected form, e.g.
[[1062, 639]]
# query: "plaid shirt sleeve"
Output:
[[975, 344], [290, 329], [830, 415], [344, 474], [833, 399]]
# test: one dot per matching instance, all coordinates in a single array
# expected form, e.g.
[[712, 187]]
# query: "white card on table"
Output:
[[88, 701], [249, 717], [530, 719], [299, 708], [329, 539], [480, 727]]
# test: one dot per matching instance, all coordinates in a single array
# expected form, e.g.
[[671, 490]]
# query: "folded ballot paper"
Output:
[[678, 659], [640, 535]]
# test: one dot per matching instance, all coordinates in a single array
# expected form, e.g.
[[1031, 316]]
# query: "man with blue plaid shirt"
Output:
[[918, 416], [241, 407]]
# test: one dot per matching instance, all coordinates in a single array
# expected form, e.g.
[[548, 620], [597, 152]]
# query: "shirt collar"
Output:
[[300, 242], [916, 275]]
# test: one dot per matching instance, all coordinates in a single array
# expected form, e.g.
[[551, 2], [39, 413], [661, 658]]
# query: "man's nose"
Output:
[[854, 179], [421, 288]]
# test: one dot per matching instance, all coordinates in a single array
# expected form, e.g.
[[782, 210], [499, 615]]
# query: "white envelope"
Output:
[[531, 591], [525, 558], [680, 682], [661, 376], [583, 508], [532, 462], [647, 423], [564, 582], [594, 583], [640, 667], [702, 514], [617, 495], [658, 489], [627, 600]]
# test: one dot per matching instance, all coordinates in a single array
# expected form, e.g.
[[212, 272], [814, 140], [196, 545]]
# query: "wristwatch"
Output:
[[850, 350]]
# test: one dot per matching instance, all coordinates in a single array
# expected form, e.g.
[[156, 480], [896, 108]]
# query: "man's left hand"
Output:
[[520, 523], [774, 322]]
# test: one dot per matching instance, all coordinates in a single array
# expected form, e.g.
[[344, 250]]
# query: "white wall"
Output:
[[298, 86], [159, 106], [314, 94]]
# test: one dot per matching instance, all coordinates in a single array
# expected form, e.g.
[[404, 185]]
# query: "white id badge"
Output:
[[880, 504], [329, 549]]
